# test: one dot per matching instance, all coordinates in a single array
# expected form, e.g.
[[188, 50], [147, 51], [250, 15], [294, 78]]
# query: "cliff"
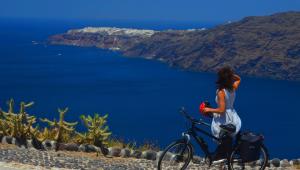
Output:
[[262, 46], [103, 37]]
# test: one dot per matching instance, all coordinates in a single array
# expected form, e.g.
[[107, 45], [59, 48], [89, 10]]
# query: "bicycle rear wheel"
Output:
[[176, 156], [236, 163]]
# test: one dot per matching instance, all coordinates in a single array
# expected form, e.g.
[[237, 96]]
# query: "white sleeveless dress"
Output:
[[229, 117]]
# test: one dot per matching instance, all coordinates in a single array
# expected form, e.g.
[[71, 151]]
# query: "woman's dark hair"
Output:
[[225, 78]]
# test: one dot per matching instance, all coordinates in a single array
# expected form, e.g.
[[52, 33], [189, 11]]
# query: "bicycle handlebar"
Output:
[[193, 120]]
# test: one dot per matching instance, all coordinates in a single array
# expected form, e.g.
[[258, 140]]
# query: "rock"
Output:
[[13, 141], [135, 154], [197, 160], [125, 153], [29, 143], [167, 156], [253, 164], [72, 147], [149, 155], [98, 143], [113, 151], [158, 154], [91, 148], [269, 163], [68, 146], [87, 148], [104, 150], [275, 162], [295, 162], [21, 142], [259, 163], [285, 163], [49, 145], [62, 146], [36, 143], [82, 148], [23, 146], [7, 140]]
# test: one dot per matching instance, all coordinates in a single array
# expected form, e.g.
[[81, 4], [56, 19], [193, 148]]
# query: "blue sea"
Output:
[[142, 97]]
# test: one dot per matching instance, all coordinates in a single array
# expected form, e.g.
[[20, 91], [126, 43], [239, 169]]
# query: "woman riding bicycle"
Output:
[[227, 84], [225, 114], [225, 125]]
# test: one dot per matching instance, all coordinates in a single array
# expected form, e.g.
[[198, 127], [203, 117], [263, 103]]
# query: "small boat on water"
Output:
[[34, 42]]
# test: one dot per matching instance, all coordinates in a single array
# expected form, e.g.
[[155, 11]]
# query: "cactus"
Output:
[[63, 129], [46, 134], [10, 104], [97, 130], [4, 128], [82, 138], [19, 125]]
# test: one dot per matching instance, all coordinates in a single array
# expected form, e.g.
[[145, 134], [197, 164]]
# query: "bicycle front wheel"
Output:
[[237, 163], [176, 156]]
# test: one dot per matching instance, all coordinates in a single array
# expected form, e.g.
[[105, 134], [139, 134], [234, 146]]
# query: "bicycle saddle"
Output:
[[228, 127]]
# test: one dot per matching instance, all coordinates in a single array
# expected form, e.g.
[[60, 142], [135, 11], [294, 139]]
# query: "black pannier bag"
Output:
[[250, 146]]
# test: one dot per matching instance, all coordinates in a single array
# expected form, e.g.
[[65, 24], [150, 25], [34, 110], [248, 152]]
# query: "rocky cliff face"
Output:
[[266, 46]]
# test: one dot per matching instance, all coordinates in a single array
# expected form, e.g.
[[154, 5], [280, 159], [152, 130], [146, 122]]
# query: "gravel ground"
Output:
[[14, 158], [20, 158]]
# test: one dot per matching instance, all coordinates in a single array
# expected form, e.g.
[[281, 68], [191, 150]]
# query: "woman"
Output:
[[227, 84]]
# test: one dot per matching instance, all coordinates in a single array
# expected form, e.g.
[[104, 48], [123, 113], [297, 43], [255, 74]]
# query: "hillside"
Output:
[[261, 46]]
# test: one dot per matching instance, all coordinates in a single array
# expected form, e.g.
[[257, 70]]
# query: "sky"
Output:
[[146, 10]]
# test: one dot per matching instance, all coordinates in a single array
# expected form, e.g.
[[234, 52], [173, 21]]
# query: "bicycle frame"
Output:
[[192, 131]]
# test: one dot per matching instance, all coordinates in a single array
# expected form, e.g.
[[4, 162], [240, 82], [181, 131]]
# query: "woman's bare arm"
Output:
[[221, 104], [237, 81]]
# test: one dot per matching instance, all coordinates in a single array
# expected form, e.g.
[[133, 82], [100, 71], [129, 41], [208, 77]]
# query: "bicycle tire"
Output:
[[179, 142], [264, 164]]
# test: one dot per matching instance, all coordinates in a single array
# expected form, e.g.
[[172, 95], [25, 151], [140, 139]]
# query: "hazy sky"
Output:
[[180, 10]]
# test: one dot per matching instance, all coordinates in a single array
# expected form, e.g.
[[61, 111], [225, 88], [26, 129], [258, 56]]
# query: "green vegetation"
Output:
[[148, 145], [132, 145], [23, 126], [18, 125], [114, 142], [46, 134], [97, 130], [63, 129]]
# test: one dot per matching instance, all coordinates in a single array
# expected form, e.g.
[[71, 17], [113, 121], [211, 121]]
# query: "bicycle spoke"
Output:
[[176, 157], [236, 163]]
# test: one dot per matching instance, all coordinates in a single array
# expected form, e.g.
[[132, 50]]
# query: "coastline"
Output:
[[254, 46]]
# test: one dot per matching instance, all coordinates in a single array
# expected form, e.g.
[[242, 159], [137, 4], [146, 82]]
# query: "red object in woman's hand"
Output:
[[202, 106]]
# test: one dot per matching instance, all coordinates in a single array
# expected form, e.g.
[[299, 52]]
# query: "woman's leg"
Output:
[[224, 148]]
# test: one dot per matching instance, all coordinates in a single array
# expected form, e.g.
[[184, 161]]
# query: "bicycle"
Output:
[[179, 153]]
